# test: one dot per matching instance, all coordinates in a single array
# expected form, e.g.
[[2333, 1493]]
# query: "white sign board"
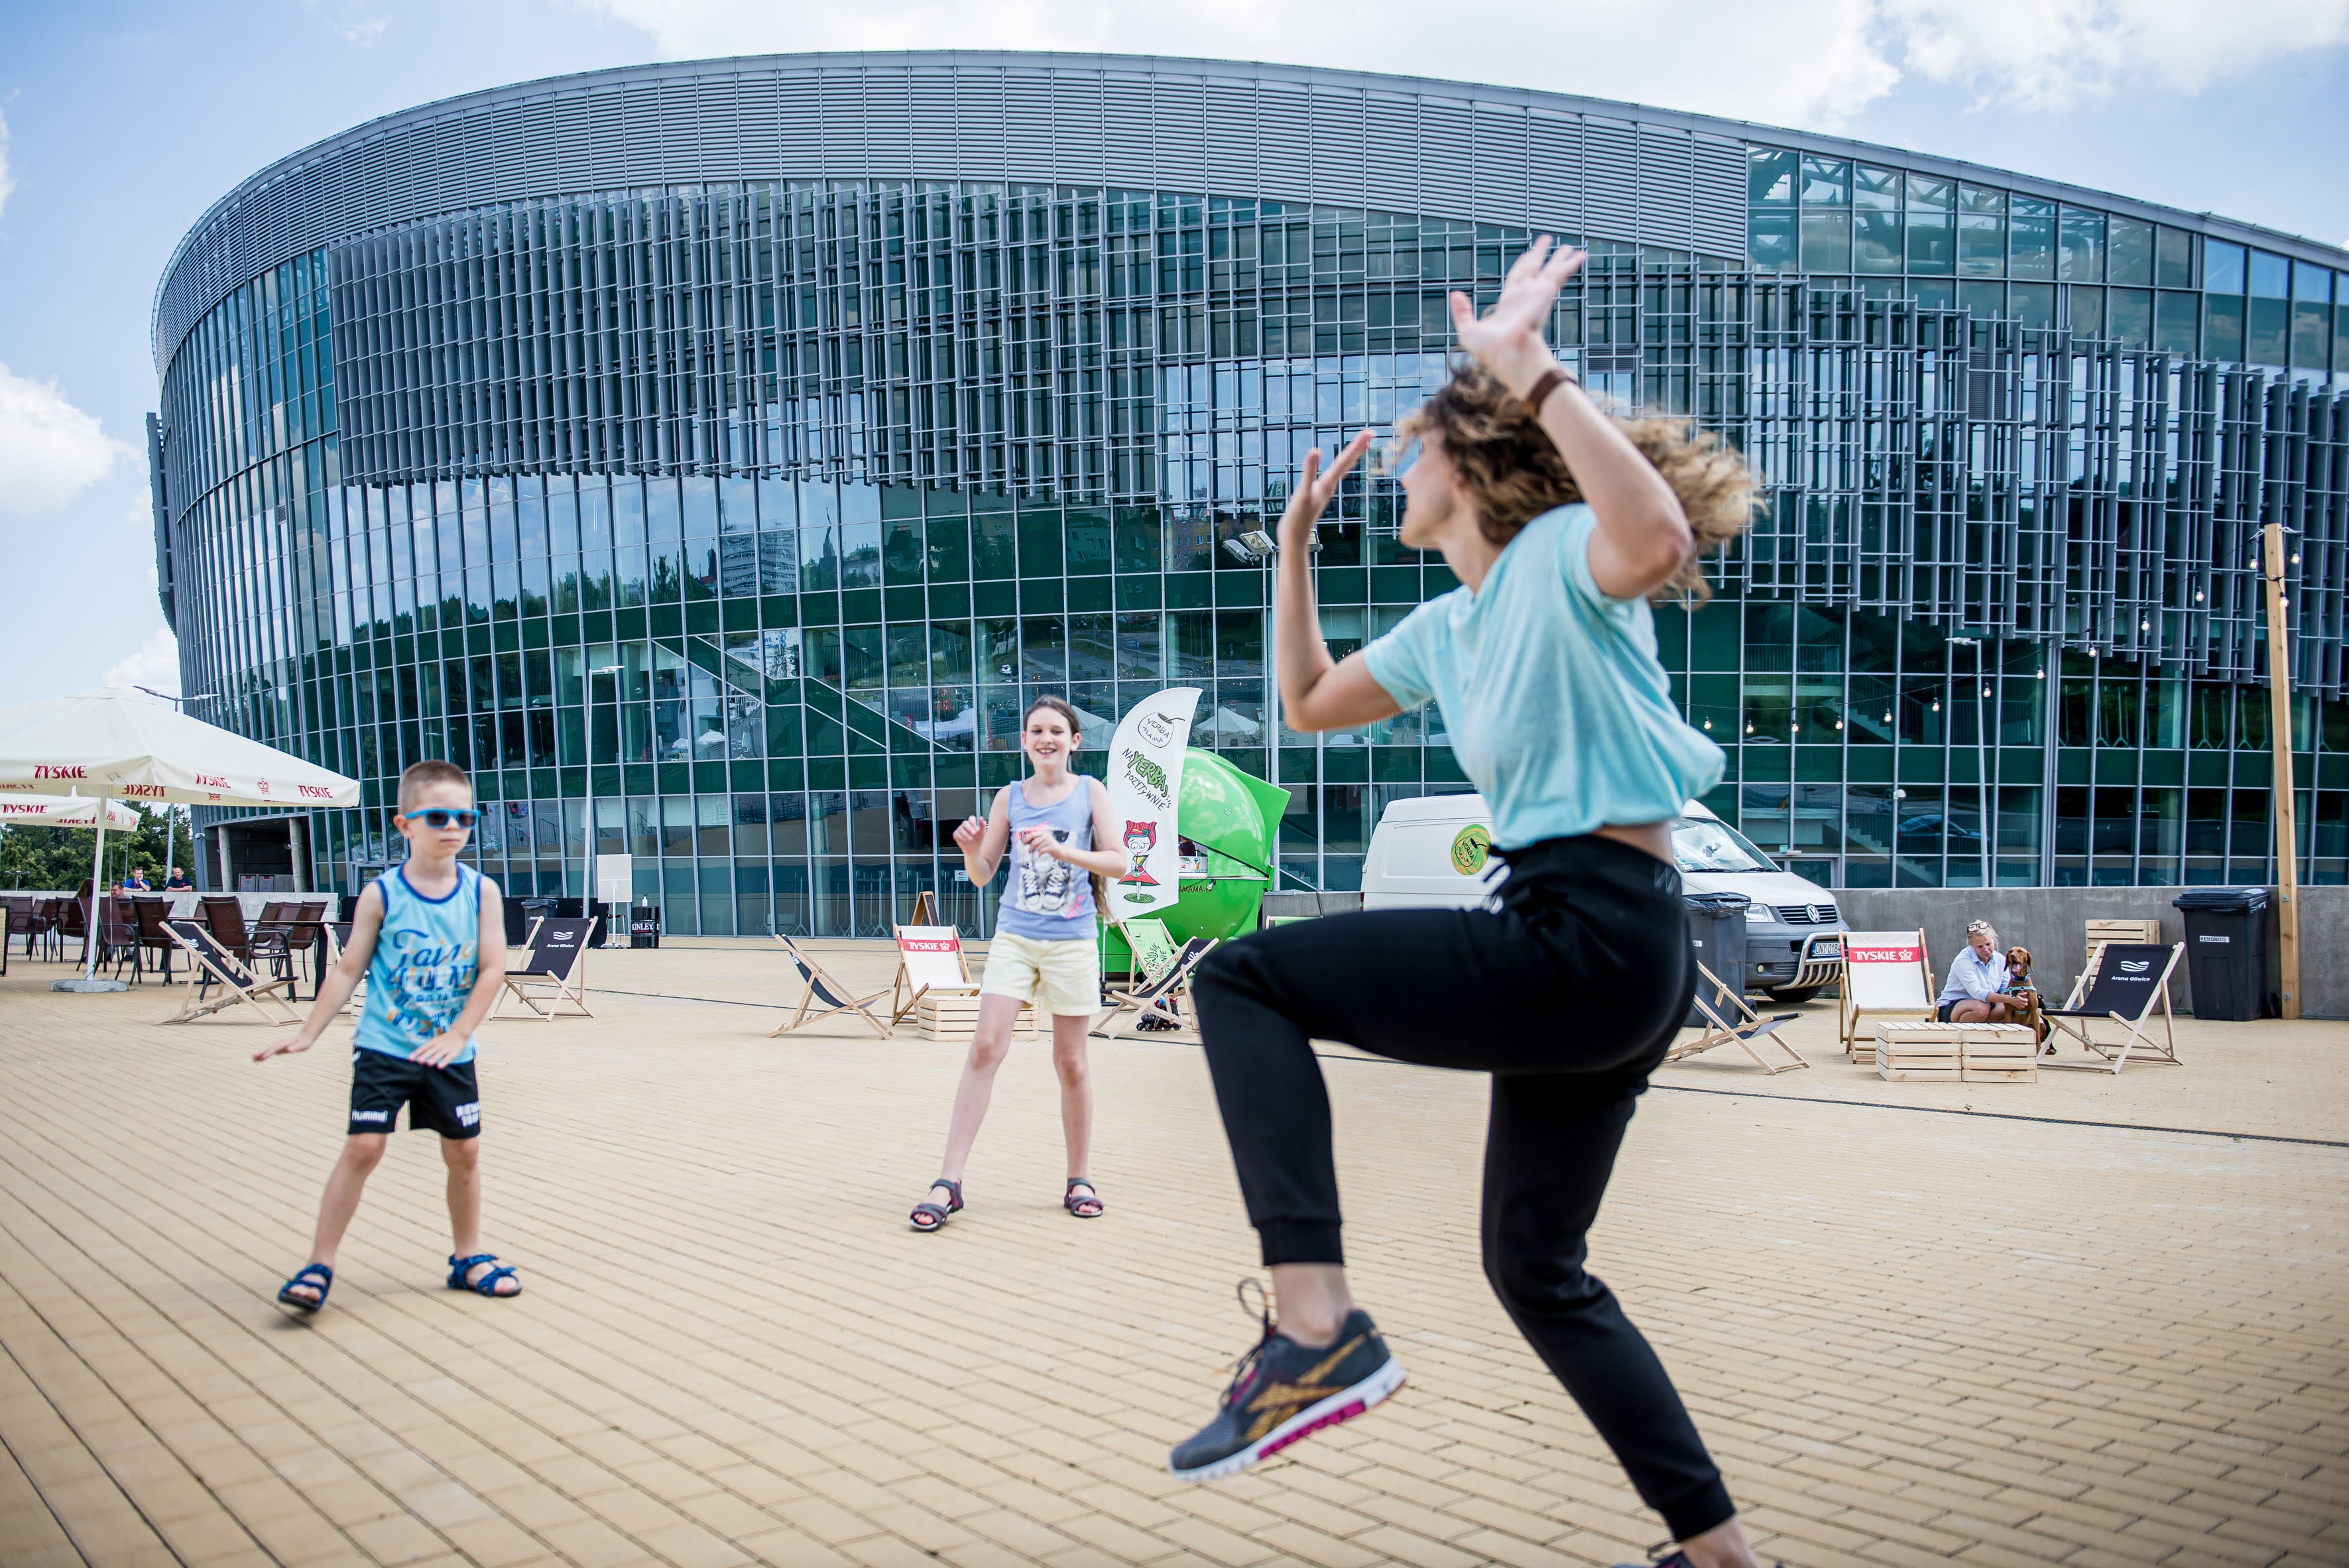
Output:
[[616, 878], [1145, 781], [932, 958]]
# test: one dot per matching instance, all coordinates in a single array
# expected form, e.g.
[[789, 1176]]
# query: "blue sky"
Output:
[[124, 121]]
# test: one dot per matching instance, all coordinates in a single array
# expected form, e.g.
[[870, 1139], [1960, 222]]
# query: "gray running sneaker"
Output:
[[1281, 1391]]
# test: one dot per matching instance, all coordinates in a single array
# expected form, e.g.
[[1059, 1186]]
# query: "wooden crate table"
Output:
[[1955, 1053], [953, 1016]]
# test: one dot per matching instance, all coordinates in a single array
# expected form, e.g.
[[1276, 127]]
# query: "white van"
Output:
[[1429, 851]]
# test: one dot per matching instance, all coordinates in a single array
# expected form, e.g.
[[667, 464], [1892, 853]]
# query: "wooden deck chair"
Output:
[[1887, 975], [929, 960], [825, 996], [2121, 984], [208, 961], [1717, 1004], [554, 981], [1165, 985]]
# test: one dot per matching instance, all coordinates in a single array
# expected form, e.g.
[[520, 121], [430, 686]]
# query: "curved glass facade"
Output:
[[729, 520]]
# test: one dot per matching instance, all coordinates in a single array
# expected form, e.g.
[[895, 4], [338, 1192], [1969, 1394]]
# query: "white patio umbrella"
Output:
[[65, 811], [115, 745]]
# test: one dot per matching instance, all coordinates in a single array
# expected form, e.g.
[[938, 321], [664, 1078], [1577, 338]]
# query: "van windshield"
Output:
[[1702, 844]]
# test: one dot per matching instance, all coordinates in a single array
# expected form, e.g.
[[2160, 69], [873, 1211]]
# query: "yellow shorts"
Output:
[[1059, 977]]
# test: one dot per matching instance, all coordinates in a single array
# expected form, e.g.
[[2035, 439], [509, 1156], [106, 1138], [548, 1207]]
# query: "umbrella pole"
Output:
[[90, 926]]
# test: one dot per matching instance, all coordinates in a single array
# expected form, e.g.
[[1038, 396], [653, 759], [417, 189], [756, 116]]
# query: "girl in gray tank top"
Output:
[[1044, 897]]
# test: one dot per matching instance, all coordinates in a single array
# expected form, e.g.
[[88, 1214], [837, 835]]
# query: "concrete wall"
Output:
[[2053, 922]]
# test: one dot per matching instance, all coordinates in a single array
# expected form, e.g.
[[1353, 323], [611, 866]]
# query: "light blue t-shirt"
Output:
[[426, 959], [1557, 707], [1973, 976]]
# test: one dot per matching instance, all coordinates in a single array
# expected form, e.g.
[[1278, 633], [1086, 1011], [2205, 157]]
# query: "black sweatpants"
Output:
[[1568, 995]]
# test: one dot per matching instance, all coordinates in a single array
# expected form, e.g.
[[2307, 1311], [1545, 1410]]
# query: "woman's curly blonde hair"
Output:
[[1515, 472]]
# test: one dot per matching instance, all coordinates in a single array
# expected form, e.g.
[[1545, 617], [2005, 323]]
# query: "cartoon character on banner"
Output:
[[1141, 838]]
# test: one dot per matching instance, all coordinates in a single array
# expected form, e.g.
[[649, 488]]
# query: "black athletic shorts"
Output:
[[446, 1100]]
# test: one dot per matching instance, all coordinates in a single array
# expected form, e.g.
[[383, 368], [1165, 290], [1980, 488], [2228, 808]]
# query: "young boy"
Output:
[[429, 936]]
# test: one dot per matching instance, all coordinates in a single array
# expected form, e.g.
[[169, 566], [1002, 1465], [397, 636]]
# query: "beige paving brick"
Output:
[[1908, 1337]]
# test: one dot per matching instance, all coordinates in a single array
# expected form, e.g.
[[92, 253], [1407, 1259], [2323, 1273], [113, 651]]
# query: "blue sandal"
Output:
[[488, 1283], [318, 1276]]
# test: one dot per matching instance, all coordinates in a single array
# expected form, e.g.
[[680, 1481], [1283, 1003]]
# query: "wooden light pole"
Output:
[[2286, 826]]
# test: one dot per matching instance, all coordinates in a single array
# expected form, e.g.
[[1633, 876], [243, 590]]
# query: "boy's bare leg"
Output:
[[463, 1158], [362, 1152]]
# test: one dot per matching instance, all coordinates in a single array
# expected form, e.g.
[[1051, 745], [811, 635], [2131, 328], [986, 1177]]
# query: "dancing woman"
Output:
[[1560, 523]]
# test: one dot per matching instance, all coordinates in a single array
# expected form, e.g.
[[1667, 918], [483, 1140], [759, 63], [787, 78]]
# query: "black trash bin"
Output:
[[520, 912], [645, 926], [1717, 933], [2226, 952]]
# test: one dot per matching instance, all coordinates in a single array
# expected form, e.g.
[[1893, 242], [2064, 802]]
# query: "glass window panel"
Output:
[[2311, 336], [1982, 299], [2131, 244], [1931, 236], [2175, 317], [2034, 303], [2083, 260], [2270, 275], [2130, 316], [2266, 328], [2032, 226], [2088, 311], [1981, 232], [1826, 241], [2314, 284], [1769, 239], [1876, 237], [2223, 330], [1770, 177], [1826, 183], [2174, 260], [2222, 267]]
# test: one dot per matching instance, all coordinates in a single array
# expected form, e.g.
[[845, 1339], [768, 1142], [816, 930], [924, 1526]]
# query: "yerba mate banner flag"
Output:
[[1145, 781]]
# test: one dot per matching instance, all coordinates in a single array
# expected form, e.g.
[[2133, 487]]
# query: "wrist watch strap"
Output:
[[1550, 381]]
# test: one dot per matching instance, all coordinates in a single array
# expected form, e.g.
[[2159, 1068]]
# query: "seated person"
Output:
[[136, 881], [178, 881], [1975, 991]]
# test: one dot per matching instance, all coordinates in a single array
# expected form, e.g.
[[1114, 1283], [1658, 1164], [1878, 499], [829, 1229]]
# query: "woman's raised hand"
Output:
[[1507, 339], [1314, 490]]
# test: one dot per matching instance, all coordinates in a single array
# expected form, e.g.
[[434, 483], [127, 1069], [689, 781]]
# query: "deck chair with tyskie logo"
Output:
[[1886, 974], [930, 962], [212, 963], [825, 996], [1158, 1002], [1749, 1031], [553, 978], [2120, 985]]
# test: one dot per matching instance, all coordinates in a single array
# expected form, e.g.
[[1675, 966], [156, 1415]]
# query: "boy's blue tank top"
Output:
[[426, 959], [1048, 900]]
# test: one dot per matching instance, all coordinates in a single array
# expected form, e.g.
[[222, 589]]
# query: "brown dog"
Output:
[[2019, 985]]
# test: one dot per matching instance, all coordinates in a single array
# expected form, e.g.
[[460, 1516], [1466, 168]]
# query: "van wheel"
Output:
[[1794, 994]]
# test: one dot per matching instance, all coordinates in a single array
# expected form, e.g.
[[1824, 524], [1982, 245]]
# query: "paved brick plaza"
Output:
[[1908, 1337]]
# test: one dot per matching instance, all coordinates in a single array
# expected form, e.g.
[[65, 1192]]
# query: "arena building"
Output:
[[713, 455]]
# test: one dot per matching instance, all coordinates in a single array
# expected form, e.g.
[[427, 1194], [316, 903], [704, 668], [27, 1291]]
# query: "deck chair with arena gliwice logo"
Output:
[[1718, 1005], [553, 980], [1885, 973], [930, 963], [825, 996], [2121, 984], [210, 965]]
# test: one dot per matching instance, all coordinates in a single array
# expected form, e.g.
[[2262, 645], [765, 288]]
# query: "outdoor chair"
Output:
[[48, 925], [146, 918], [22, 918], [2121, 984], [1887, 976], [825, 996], [73, 925], [930, 962], [338, 936], [1750, 1032], [223, 916], [305, 933], [1158, 1001], [555, 977], [208, 961]]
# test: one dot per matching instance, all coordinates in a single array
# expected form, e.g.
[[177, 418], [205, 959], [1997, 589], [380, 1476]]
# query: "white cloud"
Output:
[[50, 451], [1798, 62], [155, 664], [7, 180]]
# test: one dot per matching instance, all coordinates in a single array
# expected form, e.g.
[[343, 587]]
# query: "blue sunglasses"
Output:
[[439, 817]]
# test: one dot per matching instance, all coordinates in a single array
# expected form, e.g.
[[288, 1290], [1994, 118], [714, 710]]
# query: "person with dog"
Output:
[[1977, 990], [1057, 826], [1560, 522]]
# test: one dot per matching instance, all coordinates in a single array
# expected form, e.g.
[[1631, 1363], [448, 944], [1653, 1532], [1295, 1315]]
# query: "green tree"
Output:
[[58, 858]]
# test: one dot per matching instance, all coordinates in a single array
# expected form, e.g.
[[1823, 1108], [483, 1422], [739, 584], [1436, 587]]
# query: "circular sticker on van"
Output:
[[1469, 847]]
